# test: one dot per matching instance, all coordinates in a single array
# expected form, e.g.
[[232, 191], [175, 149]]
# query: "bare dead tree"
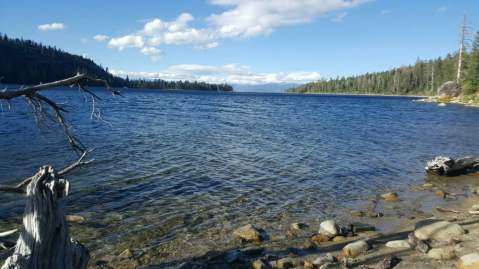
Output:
[[44, 241]]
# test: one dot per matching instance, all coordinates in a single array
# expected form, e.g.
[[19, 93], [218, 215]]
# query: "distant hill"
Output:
[[29, 62], [266, 88], [422, 78]]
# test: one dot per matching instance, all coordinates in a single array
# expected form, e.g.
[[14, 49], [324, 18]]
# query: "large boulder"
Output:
[[469, 261], [439, 231], [449, 89]]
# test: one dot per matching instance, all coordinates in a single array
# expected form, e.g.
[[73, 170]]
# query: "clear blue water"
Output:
[[170, 163]]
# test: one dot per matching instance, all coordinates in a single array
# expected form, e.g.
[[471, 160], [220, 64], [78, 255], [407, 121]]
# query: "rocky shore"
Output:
[[466, 100], [436, 229], [445, 237]]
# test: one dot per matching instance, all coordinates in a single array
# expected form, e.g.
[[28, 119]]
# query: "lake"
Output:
[[176, 172]]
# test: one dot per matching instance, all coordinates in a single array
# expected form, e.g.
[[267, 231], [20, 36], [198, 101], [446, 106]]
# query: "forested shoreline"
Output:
[[421, 78], [28, 62]]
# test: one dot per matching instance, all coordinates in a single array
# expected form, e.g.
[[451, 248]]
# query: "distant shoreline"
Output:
[[362, 94]]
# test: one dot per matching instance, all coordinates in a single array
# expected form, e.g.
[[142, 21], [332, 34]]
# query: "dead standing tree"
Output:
[[44, 241]]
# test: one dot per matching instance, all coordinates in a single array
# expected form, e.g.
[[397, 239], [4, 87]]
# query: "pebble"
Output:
[[445, 253], [339, 238], [248, 233], [320, 238], [283, 263], [469, 261], [260, 264], [398, 244], [328, 258], [355, 249], [298, 226], [442, 231], [387, 263], [390, 197], [75, 218], [440, 194], [328, 227]]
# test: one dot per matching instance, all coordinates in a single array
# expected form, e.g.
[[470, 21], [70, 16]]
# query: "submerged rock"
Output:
[[355, 249], [75, 218], [328, 227], [248, 233], [390, 197], [298, 226], [440, 194], [358, 227]]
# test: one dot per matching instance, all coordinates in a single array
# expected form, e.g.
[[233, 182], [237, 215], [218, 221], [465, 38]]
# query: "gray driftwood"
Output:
[[44, 241], [446, 166]]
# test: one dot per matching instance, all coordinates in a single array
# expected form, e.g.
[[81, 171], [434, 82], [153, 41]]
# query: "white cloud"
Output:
[[152, 52], [230, 73], [101, 38], [51, 26], [247, 18], [441, 9], [241, 19], [128, 41]]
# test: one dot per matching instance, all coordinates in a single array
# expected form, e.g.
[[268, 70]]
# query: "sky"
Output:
[[247, 42]]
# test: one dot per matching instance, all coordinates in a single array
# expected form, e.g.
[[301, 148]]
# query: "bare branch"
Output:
[[21, 187], [64, 82], [76, 164], [8, 233], [38, 103]]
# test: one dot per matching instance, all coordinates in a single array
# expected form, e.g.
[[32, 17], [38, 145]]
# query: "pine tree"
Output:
[[471, 80]]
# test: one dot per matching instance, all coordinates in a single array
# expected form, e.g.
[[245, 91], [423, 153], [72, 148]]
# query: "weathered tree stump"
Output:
[[44, 241], [446, 166]]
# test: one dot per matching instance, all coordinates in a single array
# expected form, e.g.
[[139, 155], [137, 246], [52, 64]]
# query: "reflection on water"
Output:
[[189, 167]]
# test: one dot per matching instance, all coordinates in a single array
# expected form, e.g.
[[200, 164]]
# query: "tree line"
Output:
[[422, 78], [28, 62]]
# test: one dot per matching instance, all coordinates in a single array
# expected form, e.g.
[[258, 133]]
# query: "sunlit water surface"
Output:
[[184, 169]]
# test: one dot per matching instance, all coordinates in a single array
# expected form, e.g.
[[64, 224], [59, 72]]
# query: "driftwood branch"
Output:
[[21, 187], [44, 107], [25, 91], [44, 241], [446, 166]]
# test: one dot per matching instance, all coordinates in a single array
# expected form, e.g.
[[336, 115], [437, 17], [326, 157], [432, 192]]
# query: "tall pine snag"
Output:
[[471, 80]]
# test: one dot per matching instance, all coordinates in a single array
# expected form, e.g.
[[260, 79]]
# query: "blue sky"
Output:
[[244, 41]]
